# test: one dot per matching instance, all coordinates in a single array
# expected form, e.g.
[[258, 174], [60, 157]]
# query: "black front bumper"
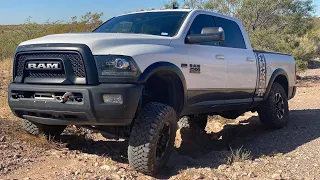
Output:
[[91, 111]]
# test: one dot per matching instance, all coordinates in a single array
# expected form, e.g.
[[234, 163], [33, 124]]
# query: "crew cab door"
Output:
[[241, 63], [207, 77]]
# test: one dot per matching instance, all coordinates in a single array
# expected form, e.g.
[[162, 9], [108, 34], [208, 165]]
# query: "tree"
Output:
[[86, 22], [227, 7], [171, 4], [193, 4], [275, 25]]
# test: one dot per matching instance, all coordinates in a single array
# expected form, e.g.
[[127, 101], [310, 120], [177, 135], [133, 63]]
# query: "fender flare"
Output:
[[164, 66], [274, 75]]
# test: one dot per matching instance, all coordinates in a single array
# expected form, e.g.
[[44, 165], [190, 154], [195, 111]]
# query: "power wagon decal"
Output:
[[262, 75]]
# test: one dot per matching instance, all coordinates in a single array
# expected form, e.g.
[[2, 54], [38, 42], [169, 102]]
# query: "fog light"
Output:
[[112, 98]]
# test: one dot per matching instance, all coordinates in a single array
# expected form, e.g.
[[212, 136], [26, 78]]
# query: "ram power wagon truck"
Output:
[[137, 74]]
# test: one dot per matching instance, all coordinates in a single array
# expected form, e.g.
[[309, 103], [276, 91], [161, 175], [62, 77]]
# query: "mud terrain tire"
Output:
[[274, 112], [37, 129], [152, 138]]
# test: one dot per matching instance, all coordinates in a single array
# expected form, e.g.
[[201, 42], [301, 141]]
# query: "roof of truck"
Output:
[[184, 10], [161, 10]]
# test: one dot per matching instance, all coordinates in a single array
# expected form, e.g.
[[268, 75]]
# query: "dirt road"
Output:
[[290, 153]]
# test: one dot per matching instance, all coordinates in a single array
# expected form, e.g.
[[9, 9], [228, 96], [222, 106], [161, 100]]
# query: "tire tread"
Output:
[[144, 134], [266, 112]]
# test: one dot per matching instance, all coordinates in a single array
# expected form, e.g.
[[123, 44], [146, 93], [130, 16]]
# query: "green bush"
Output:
[[286, 26]]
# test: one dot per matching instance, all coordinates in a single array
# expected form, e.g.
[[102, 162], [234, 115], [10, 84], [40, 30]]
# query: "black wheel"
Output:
[[37, 129], [274, 112], [152, 138]]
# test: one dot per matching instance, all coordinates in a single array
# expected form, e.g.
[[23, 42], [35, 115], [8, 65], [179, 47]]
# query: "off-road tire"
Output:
[[269, 109], [37, 129], [146, 131]]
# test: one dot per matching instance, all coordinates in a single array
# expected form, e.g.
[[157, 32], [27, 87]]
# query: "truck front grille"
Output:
[[74, 58], [34, 74], [77, 65]]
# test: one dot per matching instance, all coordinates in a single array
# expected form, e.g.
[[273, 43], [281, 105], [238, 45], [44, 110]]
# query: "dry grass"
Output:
[[39, 141], [13, 131], [238, 155], [5, 79]]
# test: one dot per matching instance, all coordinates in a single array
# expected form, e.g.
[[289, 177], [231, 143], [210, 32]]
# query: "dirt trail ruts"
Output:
[[289, 153]]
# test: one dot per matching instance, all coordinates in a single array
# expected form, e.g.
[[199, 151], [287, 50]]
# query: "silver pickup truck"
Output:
[[137, 74]]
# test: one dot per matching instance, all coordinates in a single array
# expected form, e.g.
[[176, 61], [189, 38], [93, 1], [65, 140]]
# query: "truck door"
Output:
[[207, 77], [241, 63]]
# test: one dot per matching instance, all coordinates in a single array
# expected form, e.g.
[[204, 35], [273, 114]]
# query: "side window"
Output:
[[122, 27], [200, 22], [233, 35]]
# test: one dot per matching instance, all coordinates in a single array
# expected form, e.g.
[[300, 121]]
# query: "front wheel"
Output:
[[152, 138], [38, 129], [274, 112]]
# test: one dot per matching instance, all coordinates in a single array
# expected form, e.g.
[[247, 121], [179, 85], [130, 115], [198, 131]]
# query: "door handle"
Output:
[[249, 59], [220, 57]]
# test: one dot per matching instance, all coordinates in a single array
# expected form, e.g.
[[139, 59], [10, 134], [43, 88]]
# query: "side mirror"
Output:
[[208, 34]]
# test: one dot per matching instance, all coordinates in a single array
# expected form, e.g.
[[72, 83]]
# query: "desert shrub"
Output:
[[238, 155], [286, 26], [11, 38]]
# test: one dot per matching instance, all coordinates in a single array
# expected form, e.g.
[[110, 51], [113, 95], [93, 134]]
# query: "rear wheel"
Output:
[[274, 112], [37, 129], [152, 138]]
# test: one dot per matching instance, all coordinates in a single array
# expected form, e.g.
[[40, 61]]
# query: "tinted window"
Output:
[[200, 22], [233, 35], [153, 23]]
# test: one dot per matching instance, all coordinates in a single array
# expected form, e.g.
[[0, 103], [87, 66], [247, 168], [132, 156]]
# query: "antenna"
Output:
[[175, 6]]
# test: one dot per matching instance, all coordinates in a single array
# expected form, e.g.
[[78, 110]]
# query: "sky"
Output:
[[17, 11]]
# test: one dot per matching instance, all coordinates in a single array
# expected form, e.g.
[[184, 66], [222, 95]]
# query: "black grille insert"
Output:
[[74, 58], [52, 74]]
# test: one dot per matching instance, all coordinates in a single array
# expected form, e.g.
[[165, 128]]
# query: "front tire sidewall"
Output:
[[145, 135]]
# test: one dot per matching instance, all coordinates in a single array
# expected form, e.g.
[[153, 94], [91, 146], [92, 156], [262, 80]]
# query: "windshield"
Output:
[[153, 23]]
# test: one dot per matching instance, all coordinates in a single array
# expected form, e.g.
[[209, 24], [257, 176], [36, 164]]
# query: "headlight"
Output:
[[117, 66]]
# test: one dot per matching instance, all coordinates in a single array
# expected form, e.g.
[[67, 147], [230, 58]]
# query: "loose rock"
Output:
[[276, 176], [2, 139], [105, 167], [222, 167]]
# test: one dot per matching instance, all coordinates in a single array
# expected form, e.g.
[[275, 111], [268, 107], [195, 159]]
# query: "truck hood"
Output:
[[101, 43]]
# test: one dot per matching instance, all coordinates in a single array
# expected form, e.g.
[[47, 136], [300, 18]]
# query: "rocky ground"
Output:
[[239, 149]]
